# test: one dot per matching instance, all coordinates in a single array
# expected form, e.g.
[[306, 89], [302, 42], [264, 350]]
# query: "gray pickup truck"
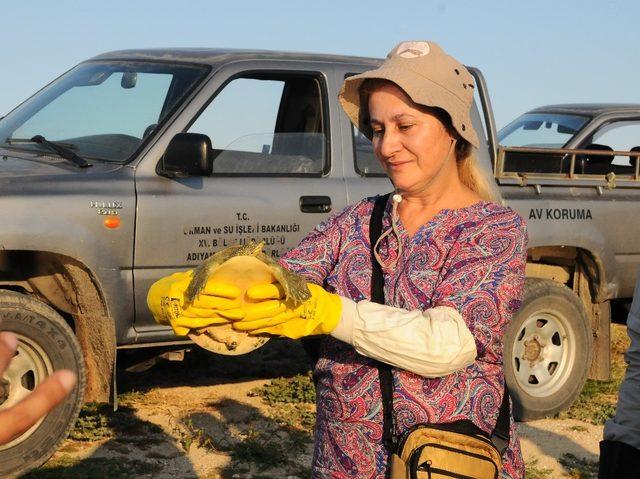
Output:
[[136, 164]]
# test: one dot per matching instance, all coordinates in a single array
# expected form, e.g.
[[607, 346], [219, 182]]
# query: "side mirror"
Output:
[[188, 154]]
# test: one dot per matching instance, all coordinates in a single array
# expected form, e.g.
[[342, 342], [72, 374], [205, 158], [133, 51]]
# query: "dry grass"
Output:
[[579, 468], [91, 468], [597, 401], [295, 390], [534, 471]]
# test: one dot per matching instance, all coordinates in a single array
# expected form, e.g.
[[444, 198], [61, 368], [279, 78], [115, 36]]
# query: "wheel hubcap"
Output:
[[543, 353], [27, 369], [532, 350]]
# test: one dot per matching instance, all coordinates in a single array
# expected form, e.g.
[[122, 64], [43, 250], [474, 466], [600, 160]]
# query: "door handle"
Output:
[[315, 204]]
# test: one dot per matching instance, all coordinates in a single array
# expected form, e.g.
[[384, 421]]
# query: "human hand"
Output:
[[273, 314], [17, 419], [218, 303]]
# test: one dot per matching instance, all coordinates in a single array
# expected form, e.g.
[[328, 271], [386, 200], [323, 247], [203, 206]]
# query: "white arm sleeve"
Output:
[[431, 343]]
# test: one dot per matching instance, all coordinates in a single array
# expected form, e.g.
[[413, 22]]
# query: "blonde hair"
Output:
[[472, 175], [469, 170]]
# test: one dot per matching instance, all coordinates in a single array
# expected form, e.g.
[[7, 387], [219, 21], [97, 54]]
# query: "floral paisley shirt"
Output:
[[471, 259]]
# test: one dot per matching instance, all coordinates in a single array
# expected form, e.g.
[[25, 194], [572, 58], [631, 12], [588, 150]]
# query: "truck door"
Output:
[[610, 207], [276, 174]]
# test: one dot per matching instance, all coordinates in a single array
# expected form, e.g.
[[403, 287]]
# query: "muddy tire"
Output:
[[547, 350], [46, 344]]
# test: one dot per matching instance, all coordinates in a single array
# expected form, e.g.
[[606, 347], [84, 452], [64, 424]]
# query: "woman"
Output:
[[453, 267]]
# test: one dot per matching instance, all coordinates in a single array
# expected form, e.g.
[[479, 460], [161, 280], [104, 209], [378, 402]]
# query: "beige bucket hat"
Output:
[[428, 76]]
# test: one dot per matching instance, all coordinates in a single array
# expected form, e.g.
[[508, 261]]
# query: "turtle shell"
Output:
[[244, 272]]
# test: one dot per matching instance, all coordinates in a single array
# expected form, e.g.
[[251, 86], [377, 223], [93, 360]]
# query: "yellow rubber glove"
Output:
[[273, 315], [217, 304]]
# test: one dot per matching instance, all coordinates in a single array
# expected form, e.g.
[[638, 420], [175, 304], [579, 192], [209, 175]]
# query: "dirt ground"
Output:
[[203, 418]]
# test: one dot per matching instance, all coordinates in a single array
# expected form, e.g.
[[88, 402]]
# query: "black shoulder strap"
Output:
[[499, 436], [375, 230], [377, 296]]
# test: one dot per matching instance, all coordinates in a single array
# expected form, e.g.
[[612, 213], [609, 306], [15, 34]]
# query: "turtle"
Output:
[[244, 266]]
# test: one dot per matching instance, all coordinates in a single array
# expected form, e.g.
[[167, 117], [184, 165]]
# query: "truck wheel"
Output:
[[45, 344], [547, 350]]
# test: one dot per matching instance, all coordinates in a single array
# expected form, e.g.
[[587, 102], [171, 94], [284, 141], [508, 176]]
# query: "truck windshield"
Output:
[[105, 110], [541, 130]]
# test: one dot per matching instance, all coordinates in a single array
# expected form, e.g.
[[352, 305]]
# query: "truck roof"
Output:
[[212, 56], [591, 109]]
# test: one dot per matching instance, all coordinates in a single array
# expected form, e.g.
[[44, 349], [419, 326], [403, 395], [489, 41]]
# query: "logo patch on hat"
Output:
[[412, 49]]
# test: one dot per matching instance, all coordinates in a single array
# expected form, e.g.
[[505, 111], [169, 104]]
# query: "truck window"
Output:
[[103, 110], [614, 136], [267, 124], [540, 130], [366, 162]]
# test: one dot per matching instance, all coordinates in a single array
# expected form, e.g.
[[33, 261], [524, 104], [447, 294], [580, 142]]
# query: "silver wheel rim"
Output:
[[544, 353], [27, 369]]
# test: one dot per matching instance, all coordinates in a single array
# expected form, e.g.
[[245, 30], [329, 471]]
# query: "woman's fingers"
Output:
[[294, 328], [8, 345], [193, 312], [264, 309], [198, 310], [266, 291], [221, 289], [264, 322], [215, 302], [228, 314], [232, 314], [51, 392], [196, 323]]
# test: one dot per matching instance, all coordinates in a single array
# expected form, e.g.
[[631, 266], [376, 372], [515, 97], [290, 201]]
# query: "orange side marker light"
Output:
[[112, 222]]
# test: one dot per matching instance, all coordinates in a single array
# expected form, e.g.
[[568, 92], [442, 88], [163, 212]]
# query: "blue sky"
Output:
[[531, 53]]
